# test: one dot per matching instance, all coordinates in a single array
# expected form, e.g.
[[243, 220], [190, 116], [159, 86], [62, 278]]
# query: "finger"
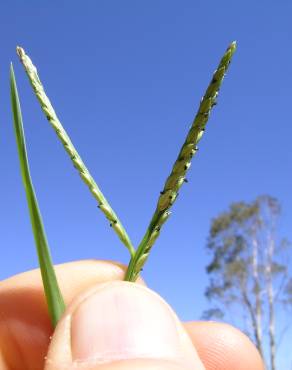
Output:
[[25, 326], [121, 325], [223, 347]]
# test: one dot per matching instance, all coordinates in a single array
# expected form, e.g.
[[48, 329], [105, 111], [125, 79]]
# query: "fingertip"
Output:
[[222, 346], [25, 326], [117, 323]]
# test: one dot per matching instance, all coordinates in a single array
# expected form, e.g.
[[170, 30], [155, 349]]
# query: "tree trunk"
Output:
[[270, 292], [250, 308], [257, 292]]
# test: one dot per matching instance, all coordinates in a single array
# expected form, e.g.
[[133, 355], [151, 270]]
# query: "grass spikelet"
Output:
[[182, 164], [49, 111]]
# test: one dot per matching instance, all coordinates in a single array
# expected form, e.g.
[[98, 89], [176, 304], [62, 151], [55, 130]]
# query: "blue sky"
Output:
[[125, 78]]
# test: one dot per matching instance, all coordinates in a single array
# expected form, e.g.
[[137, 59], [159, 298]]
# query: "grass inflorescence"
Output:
[[78, 163], [182, 164], [165, 201]]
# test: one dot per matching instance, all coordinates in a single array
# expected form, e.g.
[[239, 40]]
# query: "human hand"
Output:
[[109, 325]]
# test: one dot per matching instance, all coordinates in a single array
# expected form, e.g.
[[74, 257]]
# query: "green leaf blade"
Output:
[[53, 294]]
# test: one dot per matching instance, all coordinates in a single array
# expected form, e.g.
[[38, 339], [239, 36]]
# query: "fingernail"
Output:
[[123, 321]]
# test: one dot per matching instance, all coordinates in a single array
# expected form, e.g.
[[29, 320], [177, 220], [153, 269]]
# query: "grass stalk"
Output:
[[53, 294], [180, 167], [49, 111]]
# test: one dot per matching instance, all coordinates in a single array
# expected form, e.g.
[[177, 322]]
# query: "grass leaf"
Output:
[[53, 294], [180, 167]]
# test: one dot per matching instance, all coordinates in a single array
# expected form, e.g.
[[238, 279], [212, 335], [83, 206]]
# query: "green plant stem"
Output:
[[180, 168], [53, 294], [48, 110]]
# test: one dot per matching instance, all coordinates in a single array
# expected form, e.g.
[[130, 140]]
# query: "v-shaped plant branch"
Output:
[[173, 182]]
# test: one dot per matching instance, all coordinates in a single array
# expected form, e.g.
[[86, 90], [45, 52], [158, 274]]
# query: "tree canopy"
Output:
[[248, 271]]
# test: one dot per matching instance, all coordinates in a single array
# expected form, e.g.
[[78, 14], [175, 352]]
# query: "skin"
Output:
[[26, 331]]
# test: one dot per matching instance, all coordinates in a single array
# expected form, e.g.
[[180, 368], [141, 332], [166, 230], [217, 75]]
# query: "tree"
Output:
[[248, 272]]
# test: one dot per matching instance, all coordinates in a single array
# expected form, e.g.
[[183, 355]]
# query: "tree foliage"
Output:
[[248, 272]]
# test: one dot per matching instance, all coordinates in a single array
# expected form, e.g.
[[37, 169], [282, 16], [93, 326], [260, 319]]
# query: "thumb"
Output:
[[119, 326]]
